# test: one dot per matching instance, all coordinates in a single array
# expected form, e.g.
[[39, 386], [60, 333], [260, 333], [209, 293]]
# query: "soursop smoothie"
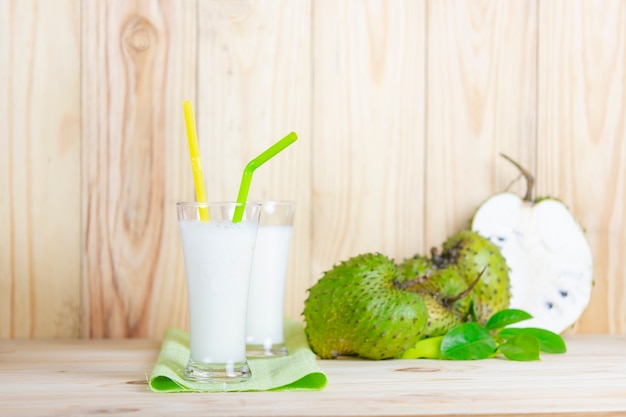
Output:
[[218, 259], [266, 298], [264, 324]]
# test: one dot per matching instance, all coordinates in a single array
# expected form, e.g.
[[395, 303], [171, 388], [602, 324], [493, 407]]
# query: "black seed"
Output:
[[563, 293], [549, 305]]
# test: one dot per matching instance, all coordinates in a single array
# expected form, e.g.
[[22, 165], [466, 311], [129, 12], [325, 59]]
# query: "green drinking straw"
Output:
[[254, 164]]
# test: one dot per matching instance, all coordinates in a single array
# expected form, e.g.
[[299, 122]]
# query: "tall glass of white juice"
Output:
[[264, 324], [218, 257]]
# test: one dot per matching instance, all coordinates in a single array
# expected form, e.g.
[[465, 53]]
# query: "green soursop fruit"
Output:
[[356, 309], [474, 256], [441, 318], [443, 292], [550, 259], [371, 307], [416, 267]]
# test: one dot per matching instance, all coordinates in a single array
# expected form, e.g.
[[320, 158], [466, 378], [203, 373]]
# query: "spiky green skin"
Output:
[[415, 267], [441, 284], [441, 318], [356, 309], [472, 253], [438, 287], [370, 307]]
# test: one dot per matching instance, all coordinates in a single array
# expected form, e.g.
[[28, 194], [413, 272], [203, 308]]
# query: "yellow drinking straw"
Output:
[[194, 153]]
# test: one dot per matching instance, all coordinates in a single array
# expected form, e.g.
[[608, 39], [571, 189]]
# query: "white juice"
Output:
[[264, 324], [218, 257]]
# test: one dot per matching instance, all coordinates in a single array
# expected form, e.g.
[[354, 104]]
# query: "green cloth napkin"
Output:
[[296, 371]]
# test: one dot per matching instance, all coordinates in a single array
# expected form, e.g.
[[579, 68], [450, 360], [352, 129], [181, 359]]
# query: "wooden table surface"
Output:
[[108, 377]]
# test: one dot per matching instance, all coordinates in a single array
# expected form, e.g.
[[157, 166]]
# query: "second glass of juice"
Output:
[[264, 323]]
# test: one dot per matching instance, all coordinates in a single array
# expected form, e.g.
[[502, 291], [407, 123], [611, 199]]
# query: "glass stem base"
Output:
[[262, 351], [230, 373]]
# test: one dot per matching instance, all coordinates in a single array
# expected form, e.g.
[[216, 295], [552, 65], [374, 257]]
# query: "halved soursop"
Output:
[[550, 261]]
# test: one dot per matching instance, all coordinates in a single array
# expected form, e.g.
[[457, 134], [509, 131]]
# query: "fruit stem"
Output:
[[530, 180], [451, 300]]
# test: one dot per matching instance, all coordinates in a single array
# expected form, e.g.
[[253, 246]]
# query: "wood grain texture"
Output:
[[108, 377], [368, 118], [138, 67], [39, 168], [582, 138], [481, 102], [401, 108], [254, 87], [6, 223]]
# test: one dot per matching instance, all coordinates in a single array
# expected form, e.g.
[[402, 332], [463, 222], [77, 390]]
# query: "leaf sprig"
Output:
[[471, 341]]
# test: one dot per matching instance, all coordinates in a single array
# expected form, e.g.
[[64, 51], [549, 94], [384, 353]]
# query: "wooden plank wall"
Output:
[[402, 108]]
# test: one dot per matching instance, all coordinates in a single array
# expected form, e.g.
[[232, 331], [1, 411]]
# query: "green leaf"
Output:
[[505, 317], [522, 347], [549, 342], [429, 348], [468, 341]]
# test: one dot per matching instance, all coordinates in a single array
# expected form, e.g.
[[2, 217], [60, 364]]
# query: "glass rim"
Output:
[[286, 202], [216, 204]]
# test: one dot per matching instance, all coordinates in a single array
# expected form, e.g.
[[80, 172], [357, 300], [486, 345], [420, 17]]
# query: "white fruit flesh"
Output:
[[549, 257]]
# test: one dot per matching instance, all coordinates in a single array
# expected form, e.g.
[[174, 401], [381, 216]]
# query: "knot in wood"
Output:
[[139, 35]]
